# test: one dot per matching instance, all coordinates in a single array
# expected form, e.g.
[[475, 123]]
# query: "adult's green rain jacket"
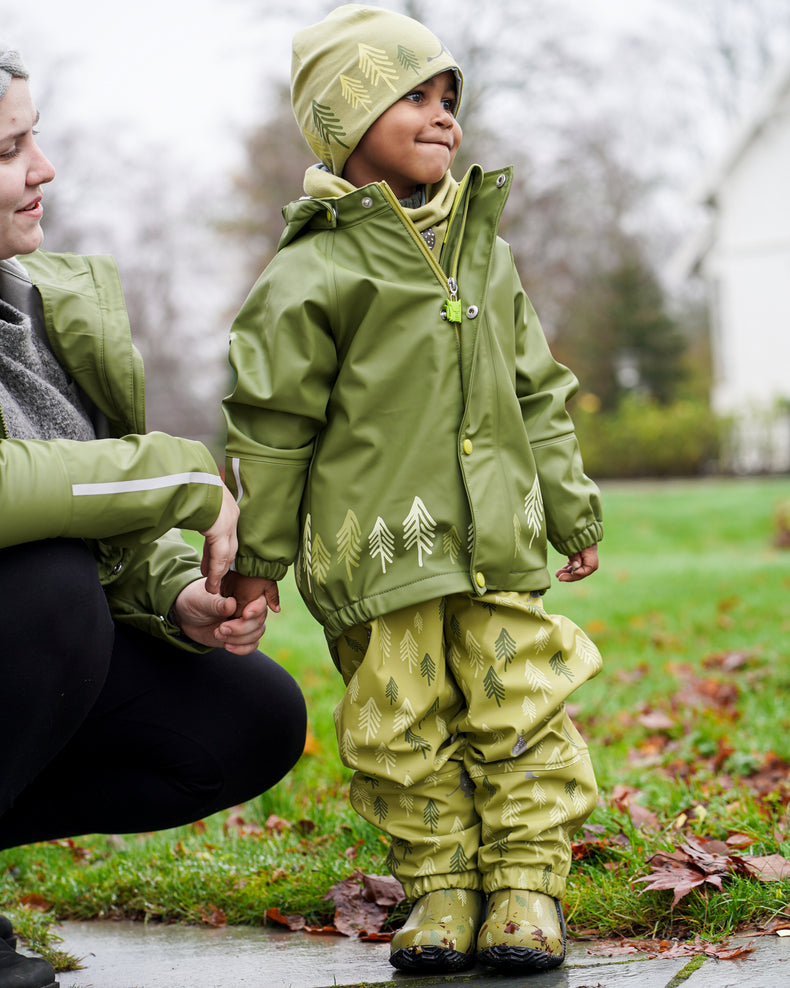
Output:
[[122, 495], [395, 455]]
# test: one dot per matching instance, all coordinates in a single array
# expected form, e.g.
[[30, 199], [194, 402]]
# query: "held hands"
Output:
[[208, 618], [219, 548], [581, 564], [246, 589]]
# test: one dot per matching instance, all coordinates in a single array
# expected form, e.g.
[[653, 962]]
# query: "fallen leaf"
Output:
[[215, 917], [293, 920], [362, 902], [35, 901]]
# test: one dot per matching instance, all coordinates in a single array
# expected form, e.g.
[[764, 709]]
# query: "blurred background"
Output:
[[650, 215]]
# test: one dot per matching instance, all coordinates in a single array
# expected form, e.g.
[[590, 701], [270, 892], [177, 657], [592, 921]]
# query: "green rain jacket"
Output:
[[122, 495], [394, 454]]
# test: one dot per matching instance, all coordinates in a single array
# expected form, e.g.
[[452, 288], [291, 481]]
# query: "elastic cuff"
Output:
[[528, 879], [417, 887]]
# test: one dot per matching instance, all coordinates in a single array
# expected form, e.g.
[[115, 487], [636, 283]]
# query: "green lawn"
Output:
[[688, 722]]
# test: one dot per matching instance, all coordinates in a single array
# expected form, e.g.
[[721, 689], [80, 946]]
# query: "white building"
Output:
[[744, 256]]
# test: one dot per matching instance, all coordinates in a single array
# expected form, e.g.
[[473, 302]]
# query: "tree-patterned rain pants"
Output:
[[454, 721]]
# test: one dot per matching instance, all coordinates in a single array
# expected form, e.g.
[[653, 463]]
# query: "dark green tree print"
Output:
[[493, 686], [430, 815], [380, 809], [327, 124], [560, 667], [391, 691], [417, 743], [459, 861], [428, 668], [505, 647]]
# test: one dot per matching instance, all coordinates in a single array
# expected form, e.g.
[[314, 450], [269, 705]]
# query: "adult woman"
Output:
[[119, 710]]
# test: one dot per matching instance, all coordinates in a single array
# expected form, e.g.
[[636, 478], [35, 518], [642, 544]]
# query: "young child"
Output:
[[398, 431]]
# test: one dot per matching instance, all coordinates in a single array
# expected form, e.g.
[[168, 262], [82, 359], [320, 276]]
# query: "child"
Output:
[[398, 430]]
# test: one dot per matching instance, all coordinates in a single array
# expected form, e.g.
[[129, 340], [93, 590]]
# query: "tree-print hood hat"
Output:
[[351, 67], [11, 67]]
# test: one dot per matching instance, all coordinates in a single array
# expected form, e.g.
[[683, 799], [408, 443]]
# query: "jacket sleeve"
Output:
[[145, 583], [571, 500], [124, 491], [284, 358]]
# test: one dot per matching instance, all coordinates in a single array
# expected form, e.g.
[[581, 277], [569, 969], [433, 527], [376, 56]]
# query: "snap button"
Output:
[[501, 179], [480, 580], [468, 446], [471, 312], [443, 314], [367, 202]]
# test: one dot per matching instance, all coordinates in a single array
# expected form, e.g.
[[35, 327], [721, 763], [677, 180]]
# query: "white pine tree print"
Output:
[[408, 650], [376, 66], [539, 794], [419, 530], [475, 653], [307, 551], [458, 826], [406, 801], [556, 759], [511, 811], [385, 638], [587, 652], [537, 680], [369, 718], [359, 793], [354, 92], [385, 757], [352, 690], [419, 624], [348, 542], [528, 708], [427, 867], [404, 718], [348, 748], [321, 559], [451, 543], [542, 638], [533, 509], [382, 543], [559, 813]]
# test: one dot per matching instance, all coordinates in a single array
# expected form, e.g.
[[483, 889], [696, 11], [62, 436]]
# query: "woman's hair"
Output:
[[11, 67]]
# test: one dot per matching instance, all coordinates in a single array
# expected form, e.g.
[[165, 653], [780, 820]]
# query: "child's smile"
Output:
[[413, 143]]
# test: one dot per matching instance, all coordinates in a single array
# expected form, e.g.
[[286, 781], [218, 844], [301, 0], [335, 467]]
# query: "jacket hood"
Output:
[[351, 67]]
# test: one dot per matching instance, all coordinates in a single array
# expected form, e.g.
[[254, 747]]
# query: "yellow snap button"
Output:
[[480, 579], [467, 446]]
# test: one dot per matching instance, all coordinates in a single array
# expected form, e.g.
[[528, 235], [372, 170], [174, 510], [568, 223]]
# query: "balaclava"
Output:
[[351, 67], [11, 67]]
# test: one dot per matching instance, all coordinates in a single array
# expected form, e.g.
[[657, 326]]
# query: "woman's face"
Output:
[[23, 170]]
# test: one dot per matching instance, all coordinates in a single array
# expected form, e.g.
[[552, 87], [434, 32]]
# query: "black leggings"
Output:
[[104, 729]]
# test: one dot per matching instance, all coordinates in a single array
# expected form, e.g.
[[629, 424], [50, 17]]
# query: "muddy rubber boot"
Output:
[[440, 933], [523, 931]]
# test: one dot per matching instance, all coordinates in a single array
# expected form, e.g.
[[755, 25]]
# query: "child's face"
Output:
[[412, 143]]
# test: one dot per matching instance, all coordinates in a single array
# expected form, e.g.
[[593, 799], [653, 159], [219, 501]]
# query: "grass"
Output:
[[688, 721]]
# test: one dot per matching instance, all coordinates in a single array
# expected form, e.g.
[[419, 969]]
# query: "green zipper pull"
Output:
[[452, 307]]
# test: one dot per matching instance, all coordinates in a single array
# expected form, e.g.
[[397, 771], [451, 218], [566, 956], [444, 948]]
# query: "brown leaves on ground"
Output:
[[698, 861], [670, 949], [362, 904]]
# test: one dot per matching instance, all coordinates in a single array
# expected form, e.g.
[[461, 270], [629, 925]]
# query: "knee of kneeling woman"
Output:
[[58, 595]]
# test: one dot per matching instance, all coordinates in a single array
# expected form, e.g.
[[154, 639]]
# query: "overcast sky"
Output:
[[192, 70]]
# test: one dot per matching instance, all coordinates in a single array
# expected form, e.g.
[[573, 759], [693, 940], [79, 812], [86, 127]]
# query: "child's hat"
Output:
[[351, 67], [11, 67]]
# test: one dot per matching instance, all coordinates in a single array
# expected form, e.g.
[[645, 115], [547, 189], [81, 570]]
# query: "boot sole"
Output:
[[430, 959], [519, 958]]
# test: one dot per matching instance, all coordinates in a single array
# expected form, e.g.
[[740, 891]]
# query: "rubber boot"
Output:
[[7, 931], [19, 971], [440, 933], [523, 931]]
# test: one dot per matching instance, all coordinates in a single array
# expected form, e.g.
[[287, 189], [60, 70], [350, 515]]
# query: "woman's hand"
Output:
[[207, 618]]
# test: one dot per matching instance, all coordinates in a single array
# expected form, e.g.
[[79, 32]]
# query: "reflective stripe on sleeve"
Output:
[[148, 484]]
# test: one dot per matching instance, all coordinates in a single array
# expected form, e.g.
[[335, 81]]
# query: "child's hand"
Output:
[[579, 565], [245, 589]]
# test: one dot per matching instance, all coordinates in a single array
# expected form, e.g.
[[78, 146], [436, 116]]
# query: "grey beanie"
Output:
[[11, 67]]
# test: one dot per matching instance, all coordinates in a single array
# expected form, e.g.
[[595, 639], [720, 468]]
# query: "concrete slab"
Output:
[[140, 955]]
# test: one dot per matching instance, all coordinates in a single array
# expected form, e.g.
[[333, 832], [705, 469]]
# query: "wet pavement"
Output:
[[140, 955]]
